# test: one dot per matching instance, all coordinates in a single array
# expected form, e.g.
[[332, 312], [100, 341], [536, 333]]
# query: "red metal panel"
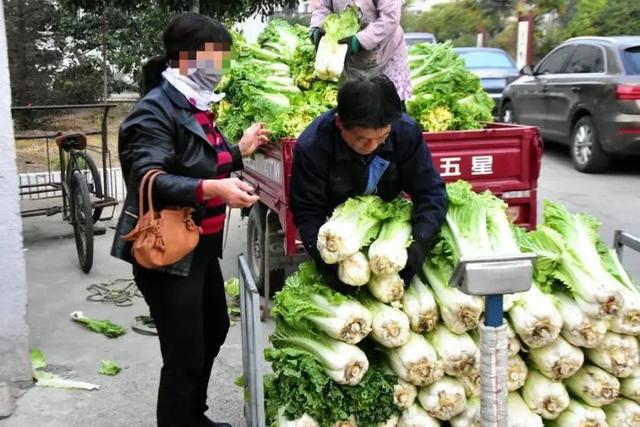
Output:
[[504, 159]]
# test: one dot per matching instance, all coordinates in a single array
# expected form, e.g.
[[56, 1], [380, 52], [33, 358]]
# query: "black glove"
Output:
[[416, 255], [353, 44], [315, 34], [330, 274]]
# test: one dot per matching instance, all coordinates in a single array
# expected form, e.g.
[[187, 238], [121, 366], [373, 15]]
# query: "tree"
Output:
[[221, 9], [143, 25], [619, 17], [33, 48], [583, 22], [458, 22]]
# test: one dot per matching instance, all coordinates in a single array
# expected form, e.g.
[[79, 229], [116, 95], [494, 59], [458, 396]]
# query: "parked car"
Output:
[[586, 94], [415, 38], [495, 68]]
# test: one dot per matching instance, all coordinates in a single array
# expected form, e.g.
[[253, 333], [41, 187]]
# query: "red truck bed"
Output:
[[504, 159]]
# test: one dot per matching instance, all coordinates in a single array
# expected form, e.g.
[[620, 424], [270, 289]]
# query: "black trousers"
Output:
[[192, 323]]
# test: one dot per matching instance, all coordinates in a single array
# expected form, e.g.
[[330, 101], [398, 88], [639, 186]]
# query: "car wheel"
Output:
[[586, 153], [508, 113]]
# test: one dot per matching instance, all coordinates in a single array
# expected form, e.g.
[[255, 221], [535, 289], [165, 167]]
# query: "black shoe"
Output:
[[206, 422]]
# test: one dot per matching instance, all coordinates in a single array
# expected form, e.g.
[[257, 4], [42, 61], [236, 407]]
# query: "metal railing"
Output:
[[252, 359], [622, 239]]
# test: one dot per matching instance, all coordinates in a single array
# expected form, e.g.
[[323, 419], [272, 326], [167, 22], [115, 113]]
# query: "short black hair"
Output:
[[190, 31], [187, 32], [368, 101]]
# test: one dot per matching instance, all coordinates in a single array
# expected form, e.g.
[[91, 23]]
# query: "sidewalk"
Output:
[[56, 288]]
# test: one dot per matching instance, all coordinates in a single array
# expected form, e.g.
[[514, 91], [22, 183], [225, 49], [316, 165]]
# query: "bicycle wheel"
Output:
[[84, 162], [81, 220]]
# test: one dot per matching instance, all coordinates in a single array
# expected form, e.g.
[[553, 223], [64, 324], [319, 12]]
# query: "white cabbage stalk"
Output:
[[391, 422], [349, 321], [387, 288], [419, 304], [595, 386], [558, 360], [304, 421], [351, 422], [623, 413], [471, 383], [330, 60], [458, 352], [545, 397], [388, 253], [616, 354], [459, 311], [508, 300], [344, 363], [535, 318], [354, 270], [630, 386], [351, 226], [404, 394], [581, 415], [416, 361], [627, 320], [519, 414], [470, 417], [390, 326], [517, 372], [415, 416], [598, 290], [578, 328], [514, 342], [444, 399]]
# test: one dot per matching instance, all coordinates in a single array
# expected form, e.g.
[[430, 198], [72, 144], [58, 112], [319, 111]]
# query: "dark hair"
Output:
[[368, 101], [185, 32]]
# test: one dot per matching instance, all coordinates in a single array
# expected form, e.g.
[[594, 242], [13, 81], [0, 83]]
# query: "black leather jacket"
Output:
[[162, 133]]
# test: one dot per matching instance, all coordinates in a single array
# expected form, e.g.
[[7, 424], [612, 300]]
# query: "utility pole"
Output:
[[105, 74]]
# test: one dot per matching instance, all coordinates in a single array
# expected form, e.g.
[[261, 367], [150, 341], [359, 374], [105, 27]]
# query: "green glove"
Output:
[[353, 44], [315, 34]]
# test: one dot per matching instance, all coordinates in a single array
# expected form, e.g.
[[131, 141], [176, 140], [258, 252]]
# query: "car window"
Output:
[[631, 60], [486, 59], [586, 59], [554, 63], [411, 42]]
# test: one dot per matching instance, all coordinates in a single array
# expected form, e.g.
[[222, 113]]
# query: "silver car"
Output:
[[495, 68], [586, 94]]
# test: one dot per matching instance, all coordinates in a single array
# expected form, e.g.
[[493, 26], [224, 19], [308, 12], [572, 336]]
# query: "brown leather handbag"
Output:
[[161, 238]]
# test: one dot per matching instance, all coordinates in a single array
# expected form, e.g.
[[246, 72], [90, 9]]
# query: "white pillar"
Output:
[[15, 364]]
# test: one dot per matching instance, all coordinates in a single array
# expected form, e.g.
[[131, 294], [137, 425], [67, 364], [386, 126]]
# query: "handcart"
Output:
[[86, 192]]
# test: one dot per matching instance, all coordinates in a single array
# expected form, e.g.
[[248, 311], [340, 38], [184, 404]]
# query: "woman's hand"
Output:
[[254, 136], [233, 191]]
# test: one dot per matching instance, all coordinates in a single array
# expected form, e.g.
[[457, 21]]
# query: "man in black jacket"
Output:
[[365, 146]]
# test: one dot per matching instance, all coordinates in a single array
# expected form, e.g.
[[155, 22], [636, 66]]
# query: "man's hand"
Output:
[[353, 44], [315, 34], [416, 255], [253, 137]]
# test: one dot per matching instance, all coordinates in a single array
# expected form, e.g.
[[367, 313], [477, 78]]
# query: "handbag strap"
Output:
[[147, 183]]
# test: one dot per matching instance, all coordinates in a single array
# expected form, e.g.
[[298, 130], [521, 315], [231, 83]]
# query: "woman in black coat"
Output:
[[172, 128]]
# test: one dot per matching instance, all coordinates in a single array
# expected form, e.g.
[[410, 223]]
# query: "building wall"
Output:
[[14, 345]]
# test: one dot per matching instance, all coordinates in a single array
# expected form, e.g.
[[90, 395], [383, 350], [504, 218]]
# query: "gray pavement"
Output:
[[57, 287]]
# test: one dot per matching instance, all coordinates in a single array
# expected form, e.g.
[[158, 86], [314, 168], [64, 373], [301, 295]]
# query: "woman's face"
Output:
[[213, 59]]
